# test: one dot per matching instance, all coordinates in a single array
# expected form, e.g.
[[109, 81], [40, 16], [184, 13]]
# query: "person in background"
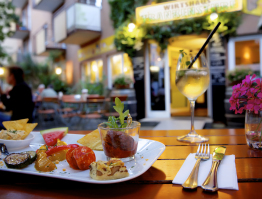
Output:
[[37, 94], [19, 99], [48, 92]]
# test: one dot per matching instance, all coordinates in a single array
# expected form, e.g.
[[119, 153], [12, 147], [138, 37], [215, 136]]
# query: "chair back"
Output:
[[121, 97], [51, 100], [95, 97]]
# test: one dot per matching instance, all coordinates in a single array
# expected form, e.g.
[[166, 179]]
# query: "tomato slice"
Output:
[[55, 149], [70, 159], [84, 156]]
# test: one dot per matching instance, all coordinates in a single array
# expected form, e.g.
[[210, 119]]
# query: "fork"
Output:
[[201, 154]]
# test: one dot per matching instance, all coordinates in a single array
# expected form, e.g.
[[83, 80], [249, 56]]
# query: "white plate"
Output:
[[13, 145], [147, 153]]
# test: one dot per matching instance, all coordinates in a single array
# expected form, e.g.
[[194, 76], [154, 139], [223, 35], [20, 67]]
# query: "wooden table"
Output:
[[156, 182]]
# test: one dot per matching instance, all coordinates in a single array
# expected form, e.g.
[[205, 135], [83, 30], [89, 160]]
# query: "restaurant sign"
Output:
[[182, 9], [97, 48]]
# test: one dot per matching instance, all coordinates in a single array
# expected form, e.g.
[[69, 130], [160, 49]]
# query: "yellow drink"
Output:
[[192, 83]]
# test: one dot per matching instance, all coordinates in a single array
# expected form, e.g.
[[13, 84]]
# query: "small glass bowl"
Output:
[[120, 143]]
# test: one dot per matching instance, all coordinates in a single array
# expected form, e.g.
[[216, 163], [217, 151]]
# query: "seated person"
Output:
[[37, 94], [19, 99], [48, 92]]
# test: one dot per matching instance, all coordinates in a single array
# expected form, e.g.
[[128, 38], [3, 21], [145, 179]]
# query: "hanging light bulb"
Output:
[[2, 71], [131, 27], [213, 16], [58, 71]]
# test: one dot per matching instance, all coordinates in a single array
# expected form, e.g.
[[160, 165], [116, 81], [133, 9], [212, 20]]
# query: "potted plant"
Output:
[[236, 76], [122, 82], [247, 96]]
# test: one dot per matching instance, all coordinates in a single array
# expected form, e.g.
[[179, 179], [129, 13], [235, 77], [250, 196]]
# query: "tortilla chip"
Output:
[[28, 128], [22, 121], [14, 125], [92, 140]]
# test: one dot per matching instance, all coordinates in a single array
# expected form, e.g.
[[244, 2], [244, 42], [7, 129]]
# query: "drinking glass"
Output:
[[120, 143], [192, 81]]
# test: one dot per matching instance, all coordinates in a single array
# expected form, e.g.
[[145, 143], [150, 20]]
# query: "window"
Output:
[[93, 71], [245, 52], [46, 33], [24, 18], [26, 47], [119, 64]]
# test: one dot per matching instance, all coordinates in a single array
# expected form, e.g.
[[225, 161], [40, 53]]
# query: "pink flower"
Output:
[[247, 95]]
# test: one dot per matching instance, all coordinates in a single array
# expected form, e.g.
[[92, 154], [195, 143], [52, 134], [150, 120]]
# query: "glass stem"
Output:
[[192, 106]]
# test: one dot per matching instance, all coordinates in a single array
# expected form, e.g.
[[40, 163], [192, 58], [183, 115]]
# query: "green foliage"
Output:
[[236, 76], [34, 72], [122, 80], [93, 88], [123, 13], [55, 81], [123, 10], [7, 16], [112, 120], [41, 73]]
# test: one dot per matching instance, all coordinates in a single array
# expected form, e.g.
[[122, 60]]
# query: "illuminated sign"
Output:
[[182, 9], [252, 7], [97, 48]]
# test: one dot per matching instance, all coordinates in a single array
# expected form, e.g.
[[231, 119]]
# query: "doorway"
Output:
[[179, 105]]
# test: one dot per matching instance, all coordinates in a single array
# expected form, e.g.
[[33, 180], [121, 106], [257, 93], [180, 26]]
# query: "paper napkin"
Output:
[[226, 174]]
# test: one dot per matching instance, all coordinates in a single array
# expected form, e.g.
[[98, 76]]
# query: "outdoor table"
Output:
[[157, 181]]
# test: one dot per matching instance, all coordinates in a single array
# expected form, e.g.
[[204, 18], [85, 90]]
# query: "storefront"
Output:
[[162, 98], [100, 62]]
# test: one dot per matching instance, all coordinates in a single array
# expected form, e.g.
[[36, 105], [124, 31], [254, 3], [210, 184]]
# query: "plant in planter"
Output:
[[122, 82], [247, 96], [236, 76]]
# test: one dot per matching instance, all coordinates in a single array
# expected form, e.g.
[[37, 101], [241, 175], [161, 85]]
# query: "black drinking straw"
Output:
[[203, 47]]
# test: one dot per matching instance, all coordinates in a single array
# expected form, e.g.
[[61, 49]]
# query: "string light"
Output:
[[131, 27]]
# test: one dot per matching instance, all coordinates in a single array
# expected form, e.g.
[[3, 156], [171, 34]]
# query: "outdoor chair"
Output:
[[95, 108]]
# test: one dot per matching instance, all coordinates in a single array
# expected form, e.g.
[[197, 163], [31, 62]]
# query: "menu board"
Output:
[[217, 58]]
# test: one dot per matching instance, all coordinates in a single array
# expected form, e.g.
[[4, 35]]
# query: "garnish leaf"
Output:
[[113, 121], [119, 107], [188, 63]]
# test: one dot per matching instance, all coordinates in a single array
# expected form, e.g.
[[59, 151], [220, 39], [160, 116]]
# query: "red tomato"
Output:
[[84, 156], [70, 159], [54, 149]]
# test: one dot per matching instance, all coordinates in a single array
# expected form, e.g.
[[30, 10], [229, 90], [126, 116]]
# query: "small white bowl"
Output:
[[17, 144]]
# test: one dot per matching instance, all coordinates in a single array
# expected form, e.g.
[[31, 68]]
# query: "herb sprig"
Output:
[[113, 121], [183, 53], [12, 131]]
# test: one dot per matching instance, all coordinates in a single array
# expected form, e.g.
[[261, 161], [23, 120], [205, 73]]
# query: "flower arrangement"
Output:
[[122, 81], [247, 95]]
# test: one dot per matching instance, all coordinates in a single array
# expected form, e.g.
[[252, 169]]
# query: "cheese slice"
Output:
[[111, 170]]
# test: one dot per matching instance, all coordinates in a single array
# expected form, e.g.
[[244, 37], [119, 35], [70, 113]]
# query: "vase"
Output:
[[253, 129]]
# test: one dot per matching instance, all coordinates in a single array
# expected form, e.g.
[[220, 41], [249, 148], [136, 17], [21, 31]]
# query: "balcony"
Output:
[[44, 43], [19, 3], [20, 32], [78, 24], [47, 5]]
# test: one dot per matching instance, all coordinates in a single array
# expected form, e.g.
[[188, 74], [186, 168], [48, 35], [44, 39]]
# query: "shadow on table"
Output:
[[26, 186], [150, 175]]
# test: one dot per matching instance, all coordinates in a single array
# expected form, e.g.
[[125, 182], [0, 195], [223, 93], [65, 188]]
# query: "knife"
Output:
[[210, 184]]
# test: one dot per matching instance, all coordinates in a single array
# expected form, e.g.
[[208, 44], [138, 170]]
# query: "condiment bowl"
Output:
[[17, 144]]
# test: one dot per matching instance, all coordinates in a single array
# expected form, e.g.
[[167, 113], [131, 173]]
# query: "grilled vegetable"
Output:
[[32, 156], [43, 163], [17, 160]]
